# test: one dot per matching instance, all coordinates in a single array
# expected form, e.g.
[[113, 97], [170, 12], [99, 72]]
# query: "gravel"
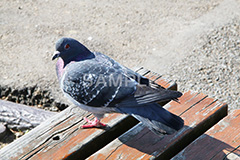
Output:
[[32, 96], [214, 67]]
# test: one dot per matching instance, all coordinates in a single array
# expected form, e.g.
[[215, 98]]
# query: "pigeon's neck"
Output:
[[62, 63], [79, 57], [60, 68]]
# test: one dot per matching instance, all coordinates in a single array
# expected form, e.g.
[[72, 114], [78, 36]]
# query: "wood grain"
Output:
[[61, 137], [222, 141], [199, 113]]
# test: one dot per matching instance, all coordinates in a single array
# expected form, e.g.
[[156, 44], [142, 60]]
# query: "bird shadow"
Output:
[[147, 142], [7, 137]]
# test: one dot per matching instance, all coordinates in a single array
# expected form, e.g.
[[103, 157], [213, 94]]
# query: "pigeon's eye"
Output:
[[67, 46]]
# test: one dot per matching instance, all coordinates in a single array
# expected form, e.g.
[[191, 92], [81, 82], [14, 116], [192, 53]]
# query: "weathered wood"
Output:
[[19, 116], [61, 137], [143, 71], [222, 141], [159, 79], [199, 113]]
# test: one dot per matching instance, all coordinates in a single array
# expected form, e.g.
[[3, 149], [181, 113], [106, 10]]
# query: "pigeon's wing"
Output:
[[103, 82], [146, 94], [96, 84], [128, 72]]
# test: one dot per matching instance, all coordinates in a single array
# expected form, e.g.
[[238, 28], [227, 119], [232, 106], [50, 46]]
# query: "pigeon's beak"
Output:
[[56, 55]]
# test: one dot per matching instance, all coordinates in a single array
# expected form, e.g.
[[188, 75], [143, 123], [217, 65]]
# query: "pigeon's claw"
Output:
[[93, 124]]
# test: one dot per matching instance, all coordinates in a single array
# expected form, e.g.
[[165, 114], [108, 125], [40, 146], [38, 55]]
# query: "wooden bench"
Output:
[[199, 113], [222, 141], [60, 137]]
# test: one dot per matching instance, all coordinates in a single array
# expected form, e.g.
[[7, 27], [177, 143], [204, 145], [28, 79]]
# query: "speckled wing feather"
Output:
[[96, 84], [128, 72]]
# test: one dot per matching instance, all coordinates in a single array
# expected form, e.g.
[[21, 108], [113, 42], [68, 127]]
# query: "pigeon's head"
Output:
[[71, 50]]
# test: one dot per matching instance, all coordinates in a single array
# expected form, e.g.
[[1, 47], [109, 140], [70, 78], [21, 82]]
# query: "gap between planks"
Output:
[[61, 137]]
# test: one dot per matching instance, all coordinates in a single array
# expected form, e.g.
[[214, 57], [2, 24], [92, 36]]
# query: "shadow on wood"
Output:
[[199, 113], [220, 149], [222, 141], [60, 137]]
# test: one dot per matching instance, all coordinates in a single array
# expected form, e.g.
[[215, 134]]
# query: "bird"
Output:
[[98, 84]]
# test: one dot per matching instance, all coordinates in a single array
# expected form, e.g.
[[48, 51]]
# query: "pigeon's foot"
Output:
[[93, 124]]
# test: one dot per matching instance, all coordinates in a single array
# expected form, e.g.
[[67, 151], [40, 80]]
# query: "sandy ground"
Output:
[[154, 34]]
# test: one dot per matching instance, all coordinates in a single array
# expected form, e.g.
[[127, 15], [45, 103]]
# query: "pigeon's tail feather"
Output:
[[156, 118]]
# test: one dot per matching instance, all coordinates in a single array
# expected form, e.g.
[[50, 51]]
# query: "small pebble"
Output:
[[213, 68]]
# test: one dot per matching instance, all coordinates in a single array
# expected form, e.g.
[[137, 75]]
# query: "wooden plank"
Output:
[[159, 79], [143, 71], [222, 141], [199, 113], [61, 137]]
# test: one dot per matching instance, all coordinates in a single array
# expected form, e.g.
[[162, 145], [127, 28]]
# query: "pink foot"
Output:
[[93, 124]]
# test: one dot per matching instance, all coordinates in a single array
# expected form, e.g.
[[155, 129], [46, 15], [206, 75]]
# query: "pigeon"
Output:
[[97, 83]]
